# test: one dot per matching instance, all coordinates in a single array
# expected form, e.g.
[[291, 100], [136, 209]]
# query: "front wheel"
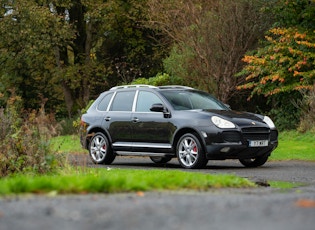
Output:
[[254, 162], [190, 153], [100, 149]]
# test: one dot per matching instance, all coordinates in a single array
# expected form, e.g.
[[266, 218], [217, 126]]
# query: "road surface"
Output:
[[261, 208]]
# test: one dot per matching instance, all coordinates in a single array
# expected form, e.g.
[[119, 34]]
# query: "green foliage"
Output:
[[119, 180], [284, 110], [24, 146], [69, 51], [159, 80], [294, 13], [29, 35]]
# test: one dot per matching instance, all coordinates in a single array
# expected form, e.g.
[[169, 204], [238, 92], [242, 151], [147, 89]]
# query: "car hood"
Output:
[[242, 119]]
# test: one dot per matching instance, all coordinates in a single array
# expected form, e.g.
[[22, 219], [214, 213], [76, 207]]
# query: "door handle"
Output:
[[135, 119], [107, 118]]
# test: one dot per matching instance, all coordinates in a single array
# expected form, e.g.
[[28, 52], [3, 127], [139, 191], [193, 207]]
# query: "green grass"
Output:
[[284, 185], [292, 146], [67, 144], [295, 146], [91, 180]]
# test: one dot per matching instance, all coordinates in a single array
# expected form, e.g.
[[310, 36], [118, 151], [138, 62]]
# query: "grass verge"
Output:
[[295, 146], [89, 180], [284, 185]]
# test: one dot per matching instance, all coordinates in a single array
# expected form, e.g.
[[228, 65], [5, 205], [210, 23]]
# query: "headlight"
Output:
[[222, 123], [269, 122]]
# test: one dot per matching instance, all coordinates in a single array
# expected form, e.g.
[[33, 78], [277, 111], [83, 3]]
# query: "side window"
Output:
[[102, 106], [123, 101], [146, 100]]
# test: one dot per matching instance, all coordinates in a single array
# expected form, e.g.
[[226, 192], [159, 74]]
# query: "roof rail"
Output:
[[132, 86], [175, 87]]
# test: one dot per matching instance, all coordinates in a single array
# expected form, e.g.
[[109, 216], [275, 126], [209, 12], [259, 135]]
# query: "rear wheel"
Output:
[[161, 160], [254, 162], [100, 149], [190, 153]]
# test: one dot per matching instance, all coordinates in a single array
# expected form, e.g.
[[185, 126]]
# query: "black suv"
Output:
[[174, 121]]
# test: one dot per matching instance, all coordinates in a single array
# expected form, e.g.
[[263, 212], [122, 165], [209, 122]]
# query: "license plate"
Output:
[[258, 143]]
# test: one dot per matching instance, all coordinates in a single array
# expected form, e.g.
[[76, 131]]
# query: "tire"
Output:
[[161, 160], [100, 149], [190, 153], [254, 162]]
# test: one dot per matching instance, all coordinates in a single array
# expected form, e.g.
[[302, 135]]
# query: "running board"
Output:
[[143, 154]]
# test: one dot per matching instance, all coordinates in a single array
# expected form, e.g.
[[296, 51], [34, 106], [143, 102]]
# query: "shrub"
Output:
[[24, 145], [159, 80], [307, 106]]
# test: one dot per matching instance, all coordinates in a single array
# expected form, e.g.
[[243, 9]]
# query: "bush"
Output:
[[307, 106], [24, 145], [159, 80], [68, 127]]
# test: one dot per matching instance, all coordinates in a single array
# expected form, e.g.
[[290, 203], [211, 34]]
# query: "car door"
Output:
[[118, 120], [151, 131]]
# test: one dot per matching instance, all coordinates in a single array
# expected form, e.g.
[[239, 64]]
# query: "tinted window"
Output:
[[123, 101], [185, 100], [102, 106], [146, 100]]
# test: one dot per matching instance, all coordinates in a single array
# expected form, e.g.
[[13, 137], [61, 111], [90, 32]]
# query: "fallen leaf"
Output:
[[305, 203], [140, 193]]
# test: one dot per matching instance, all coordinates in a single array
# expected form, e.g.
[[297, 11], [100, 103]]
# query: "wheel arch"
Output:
[[183, 131], [92, 132]]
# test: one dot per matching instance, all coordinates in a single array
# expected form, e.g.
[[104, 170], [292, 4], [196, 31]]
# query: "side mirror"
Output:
[[158, 107]]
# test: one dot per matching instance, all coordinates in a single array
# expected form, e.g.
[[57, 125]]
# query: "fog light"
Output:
[[225, 149]]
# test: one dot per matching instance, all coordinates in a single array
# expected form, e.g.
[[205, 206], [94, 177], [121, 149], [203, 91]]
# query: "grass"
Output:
[[295, 146], [91, 180], [292, 146], [284, 185], [67, 144]]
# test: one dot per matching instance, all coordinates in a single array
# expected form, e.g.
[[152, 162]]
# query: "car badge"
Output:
[[253, 123]]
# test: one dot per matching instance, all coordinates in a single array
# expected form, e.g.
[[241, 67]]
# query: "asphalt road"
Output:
[[261, 208]]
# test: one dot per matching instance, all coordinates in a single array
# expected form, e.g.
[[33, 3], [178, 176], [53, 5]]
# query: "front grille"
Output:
[[256, 130], [256, 133], [255, 136], [231, 136]]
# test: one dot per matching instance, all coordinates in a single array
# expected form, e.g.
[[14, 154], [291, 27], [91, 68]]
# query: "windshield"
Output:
[[191, 99]]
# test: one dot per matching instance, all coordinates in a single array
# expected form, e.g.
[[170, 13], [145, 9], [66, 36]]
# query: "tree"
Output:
[[283, 68], [29, 35], [285, 64], [210, 38], [67, 51]]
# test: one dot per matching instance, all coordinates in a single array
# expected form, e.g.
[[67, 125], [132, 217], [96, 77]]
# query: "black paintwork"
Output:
[[158, 131]]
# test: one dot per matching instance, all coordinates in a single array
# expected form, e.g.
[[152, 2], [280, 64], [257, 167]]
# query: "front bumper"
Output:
[[232, 151], [236, 144]]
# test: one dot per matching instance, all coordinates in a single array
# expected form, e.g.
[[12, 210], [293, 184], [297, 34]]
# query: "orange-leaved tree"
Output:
[[286, 63]]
